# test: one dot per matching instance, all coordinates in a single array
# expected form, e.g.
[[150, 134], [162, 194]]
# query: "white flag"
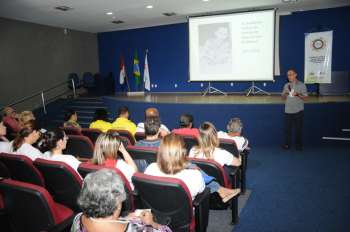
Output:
[[146, 78], [122, 74]]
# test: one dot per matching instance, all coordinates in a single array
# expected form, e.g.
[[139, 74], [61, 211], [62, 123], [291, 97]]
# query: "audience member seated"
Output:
[[54, 142], [106, 153], [152, 112], [26, 137], [186, 126], [101, 200], [24, 117], [152, 129], [208, 147], [100, 121], [234, 131], [4, 143], [123, 122], [71, 118], [11, 119], [172, 162]]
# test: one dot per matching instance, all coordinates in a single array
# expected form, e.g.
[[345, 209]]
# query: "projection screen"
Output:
[[232, 47]]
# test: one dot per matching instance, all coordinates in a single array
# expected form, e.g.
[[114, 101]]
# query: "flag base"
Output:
[[138, 93]]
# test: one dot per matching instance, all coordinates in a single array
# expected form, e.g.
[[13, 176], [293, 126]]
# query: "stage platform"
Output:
[[192, 98], [262, 116]]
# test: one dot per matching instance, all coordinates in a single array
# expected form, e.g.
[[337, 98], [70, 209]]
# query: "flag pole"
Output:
[[127, 80], [144, 89]]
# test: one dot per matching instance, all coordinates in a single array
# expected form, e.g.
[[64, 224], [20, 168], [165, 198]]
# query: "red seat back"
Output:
[[214, 169], [31, 208], [92, 134], [124, 133], [69, 130], [166, 197], [87, 167], [62, 181], [190, 141], [143, 153], [230, 146], [140, 136], [79, 146], [21, 168]]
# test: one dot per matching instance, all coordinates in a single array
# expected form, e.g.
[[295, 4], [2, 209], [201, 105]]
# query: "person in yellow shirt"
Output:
[[123, 122], [100, 121]]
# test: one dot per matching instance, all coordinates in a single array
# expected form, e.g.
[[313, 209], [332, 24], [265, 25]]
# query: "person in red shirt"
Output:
[[186, 126]]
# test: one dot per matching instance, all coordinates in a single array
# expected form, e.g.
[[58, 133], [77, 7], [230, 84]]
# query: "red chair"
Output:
[[214, 169], [230, 145], [189, 141], [139, 136], [62, 181], [143, 153], [31, 208], [21, 168], [171, 202], [80, 147], [92, 134], [69, 130], [129, 204], [4, 171], [124, 133]]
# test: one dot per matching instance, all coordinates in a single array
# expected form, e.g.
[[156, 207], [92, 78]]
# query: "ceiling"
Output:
[[90, 15]]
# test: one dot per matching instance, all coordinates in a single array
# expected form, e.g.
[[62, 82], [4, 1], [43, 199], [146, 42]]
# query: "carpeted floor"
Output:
[[298, 191], [220, 220]]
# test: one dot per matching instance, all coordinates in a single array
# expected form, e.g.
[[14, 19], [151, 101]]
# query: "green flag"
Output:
[[136, 72]]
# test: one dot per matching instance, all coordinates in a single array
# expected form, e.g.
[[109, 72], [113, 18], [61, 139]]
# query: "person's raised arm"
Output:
[[127, 157]]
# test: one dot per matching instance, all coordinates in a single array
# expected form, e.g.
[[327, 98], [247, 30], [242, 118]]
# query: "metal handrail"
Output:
[[42, 93]]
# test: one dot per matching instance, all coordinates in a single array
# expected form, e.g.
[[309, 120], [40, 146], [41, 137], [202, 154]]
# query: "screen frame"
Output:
[[231, 13]]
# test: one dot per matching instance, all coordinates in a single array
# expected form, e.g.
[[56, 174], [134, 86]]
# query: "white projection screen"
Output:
[[232, 47]]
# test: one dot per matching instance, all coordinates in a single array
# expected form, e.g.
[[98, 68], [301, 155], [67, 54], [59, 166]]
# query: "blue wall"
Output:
[[168, 50]]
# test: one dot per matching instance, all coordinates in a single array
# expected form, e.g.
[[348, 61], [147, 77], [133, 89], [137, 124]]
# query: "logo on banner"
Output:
[[318, 44]]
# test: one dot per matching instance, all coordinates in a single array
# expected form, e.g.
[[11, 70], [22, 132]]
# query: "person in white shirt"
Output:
[[26, 137], [152, 112], [4, 143], [234, 132], [172, 162], [208, 147], [54, 142], [106, 154]]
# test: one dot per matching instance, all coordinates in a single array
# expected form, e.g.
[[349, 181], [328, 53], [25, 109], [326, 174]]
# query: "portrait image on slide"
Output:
[[215, 48]]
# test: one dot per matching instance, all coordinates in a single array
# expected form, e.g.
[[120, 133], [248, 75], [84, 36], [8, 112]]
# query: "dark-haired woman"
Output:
[[26, 137], [54, 143], [70, 119], [100, 121]]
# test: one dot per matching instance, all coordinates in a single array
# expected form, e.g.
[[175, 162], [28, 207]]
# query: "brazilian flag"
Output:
[[136, 72]]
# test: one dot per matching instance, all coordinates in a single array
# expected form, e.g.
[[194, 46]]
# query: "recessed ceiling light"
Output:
[[205, 0], [109, 13], [149, 7]]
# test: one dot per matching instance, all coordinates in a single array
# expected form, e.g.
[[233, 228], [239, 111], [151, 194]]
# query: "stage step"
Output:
[[84, 106]]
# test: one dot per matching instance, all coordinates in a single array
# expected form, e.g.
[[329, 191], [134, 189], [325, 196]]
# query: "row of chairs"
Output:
[[59, 187], [81, 144], [64, 185]]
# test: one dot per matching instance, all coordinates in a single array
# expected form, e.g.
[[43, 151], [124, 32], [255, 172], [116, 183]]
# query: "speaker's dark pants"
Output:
[[294, 121]]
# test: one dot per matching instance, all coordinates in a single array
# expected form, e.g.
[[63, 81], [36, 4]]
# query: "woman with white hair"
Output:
[[101, 199], [234, 132]]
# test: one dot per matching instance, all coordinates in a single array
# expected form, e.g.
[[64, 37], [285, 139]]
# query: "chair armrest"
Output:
[[201, 208], [234, 173]]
